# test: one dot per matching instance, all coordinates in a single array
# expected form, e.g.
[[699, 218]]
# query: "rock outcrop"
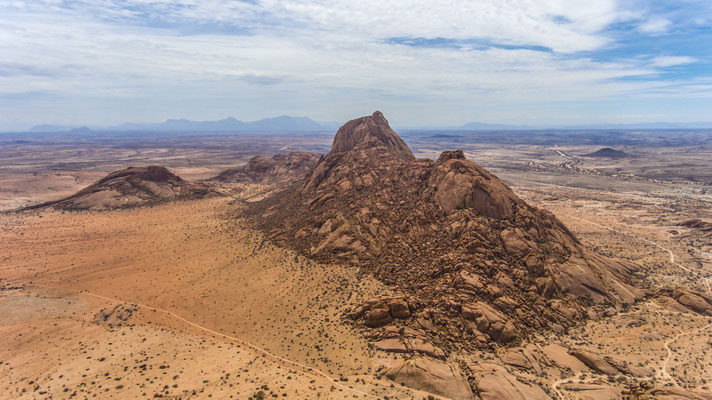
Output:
[[594, 361], [432, 376], [697, 224], [494, 382], [114, 316], [474, 262], [280, 169], [130, 187], [693, 300]]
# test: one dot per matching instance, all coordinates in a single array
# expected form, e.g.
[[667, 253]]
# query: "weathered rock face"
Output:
[[693, 300], [280, 168], [594, 361], [432, 376], [493, 382], [475, 262], [369, 131], [131, 187], [462, 184]]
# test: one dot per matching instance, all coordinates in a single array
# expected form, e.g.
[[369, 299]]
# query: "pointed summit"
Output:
[[369, 131]]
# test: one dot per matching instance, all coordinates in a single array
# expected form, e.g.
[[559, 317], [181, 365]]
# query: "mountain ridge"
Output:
[[281, 123]]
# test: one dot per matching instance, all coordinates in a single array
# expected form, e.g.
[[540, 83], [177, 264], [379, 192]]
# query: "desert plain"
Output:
[[187, 299]]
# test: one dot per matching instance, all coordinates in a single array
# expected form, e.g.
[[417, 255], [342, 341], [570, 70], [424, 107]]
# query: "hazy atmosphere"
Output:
[[423, 63]]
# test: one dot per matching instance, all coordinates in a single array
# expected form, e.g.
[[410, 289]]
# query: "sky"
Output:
[[421, 62]]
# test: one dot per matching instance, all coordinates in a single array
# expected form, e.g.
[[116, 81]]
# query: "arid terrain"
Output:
[[193, 299]]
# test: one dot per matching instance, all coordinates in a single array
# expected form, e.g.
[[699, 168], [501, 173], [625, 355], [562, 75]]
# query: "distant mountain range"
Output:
[[478, 126], [285, 123]]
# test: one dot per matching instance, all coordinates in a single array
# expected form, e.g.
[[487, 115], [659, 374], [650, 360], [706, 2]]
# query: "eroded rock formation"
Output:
[[280, 168], [474, 263]]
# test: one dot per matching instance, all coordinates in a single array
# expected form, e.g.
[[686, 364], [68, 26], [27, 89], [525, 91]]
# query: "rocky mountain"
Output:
[[469, 262], [130, 187], [280, 168]]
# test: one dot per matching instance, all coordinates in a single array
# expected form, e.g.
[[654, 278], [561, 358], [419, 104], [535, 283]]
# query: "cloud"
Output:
[[154, 59], [669, 61], [655, 25]]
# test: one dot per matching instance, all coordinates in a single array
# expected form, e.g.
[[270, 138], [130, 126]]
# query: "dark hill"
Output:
[[608, 152], [131, 187]]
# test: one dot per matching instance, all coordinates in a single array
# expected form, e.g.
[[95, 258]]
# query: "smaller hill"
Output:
[[130, 187], [280, 168], [608, 152], [695, 223]]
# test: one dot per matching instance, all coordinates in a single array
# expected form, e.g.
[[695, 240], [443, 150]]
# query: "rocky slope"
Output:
[[130, 187], [280, 168], [470, 261]]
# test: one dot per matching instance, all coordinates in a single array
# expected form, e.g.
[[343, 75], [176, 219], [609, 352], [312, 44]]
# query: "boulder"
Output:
[[693, 300], [490, 321], [376, 317], [594, 361]]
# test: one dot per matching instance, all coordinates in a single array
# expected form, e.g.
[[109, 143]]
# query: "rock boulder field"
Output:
[[278, 169]]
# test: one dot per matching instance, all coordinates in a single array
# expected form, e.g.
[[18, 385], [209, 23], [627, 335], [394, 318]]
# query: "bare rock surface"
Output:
[[432, 376], [131, 187], [494, 382], [594, 361], [560, 356], [693, 300]]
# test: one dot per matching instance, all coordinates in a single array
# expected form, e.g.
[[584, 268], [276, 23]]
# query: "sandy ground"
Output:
[[203, 267]]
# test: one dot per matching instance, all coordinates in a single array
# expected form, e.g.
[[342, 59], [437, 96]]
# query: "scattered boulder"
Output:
[[381, 311], [114, 316]]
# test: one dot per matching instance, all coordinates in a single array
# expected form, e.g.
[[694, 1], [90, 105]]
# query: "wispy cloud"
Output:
[[669, 61]]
